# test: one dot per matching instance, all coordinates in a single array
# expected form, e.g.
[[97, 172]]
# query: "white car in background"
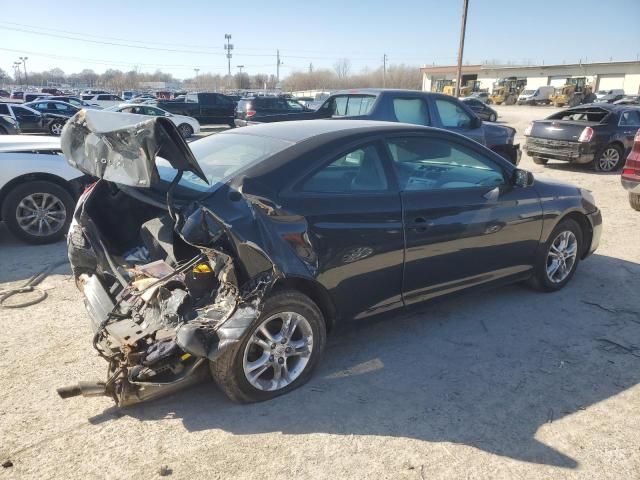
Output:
[[187, 126], [104, 100], [38, 188]]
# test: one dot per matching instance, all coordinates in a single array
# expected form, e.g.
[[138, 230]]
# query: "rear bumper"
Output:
[[631, 183], [572, 152]]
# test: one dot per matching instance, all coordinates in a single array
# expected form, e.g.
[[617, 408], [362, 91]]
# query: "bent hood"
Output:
[[122, 147]]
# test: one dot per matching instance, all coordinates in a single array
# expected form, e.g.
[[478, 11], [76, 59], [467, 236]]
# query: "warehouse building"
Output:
[[601, 76]]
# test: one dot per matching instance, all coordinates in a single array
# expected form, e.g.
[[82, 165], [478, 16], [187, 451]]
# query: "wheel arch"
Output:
[[316, 292], [35, 176], [585, 226]]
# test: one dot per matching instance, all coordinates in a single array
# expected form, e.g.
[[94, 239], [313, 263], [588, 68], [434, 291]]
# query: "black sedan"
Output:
[[54, 106], [482, 110], [265, 238], [598, 134]]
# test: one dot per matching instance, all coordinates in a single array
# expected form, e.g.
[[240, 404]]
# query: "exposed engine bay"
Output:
[[167, 287]]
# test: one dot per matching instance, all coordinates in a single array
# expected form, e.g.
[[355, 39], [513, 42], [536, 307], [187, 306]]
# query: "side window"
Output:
[[58, 106], [151, 111], [340, 109], [360, 170], [423, 163], [40, 106], [411, 110], [4, 110], [359, 104], [630, 118], [294, 105], [19, 111], [452, 115], [103, 97]]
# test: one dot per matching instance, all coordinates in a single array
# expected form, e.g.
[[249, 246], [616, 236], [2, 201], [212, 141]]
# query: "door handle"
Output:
[[420, 224]]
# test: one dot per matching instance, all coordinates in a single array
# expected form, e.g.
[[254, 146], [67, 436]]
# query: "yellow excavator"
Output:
[[574, 92], [465, 91]]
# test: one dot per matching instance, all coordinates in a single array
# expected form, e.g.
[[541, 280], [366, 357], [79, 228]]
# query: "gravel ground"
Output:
[[506, 384]]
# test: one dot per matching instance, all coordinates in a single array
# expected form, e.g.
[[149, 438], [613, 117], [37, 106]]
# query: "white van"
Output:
[[532, 97], [609, 96]]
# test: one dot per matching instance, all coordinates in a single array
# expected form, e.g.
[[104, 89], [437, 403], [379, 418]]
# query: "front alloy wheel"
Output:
[[562, 256], [278, 351], [56, 128]]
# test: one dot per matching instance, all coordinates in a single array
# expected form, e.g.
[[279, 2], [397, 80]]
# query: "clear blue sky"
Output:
[[409, 31]]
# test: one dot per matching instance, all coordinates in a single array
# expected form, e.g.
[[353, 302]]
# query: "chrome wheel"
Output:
[[185, 130], [562, 256], [278, 351], [56, 128], [41, 214], [609, 159]]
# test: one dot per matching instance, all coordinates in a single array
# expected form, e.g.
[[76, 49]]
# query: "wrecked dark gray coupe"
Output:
[[235, 256]]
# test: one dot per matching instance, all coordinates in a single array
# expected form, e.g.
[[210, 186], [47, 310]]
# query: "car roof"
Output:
[[299, 131], [16, 143], [605, 106]]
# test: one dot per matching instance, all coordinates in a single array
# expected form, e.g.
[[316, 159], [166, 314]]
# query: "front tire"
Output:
[[277, 353], [493, 117], [634, 201], [558, 258], [38, 212], [609, 159], [540, 161]]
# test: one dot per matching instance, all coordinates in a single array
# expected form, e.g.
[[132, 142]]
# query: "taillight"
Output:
[[251, 113], [527, 131], [586, 135], [636, 142], [630, 171]]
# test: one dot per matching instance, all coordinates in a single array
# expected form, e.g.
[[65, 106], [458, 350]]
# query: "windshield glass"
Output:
[[528, 92], [223, 155]]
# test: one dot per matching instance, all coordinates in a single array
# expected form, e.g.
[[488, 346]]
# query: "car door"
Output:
[[453, 116], [465, 222], [29, 120], [628, 126], [354, 225]]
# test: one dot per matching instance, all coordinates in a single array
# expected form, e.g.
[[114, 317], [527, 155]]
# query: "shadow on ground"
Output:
[[579, 168], [486, 370]]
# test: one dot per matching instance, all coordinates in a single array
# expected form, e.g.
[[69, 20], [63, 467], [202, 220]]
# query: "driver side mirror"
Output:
[[476, 122], [522, 178]]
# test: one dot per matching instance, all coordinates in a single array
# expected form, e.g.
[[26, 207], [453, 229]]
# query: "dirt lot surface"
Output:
[[507, 384]]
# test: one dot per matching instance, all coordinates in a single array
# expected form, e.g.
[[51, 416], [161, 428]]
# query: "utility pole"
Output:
[[240, 67], [24, 63], [278, 63], [228, 47], [384, 70], [463, 29], [16, 72], [197, 82], [240, 78]]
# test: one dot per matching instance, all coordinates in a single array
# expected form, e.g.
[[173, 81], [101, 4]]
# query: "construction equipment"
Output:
[[574, 92], [506, 91], [465, 91]]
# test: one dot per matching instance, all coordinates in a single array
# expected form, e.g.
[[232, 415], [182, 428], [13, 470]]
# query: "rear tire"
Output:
[[542, 280], [634, 201], [609, 159], [540, 161], [228, 371], [19, 202]]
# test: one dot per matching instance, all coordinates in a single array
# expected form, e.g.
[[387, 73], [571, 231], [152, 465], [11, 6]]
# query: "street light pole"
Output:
[[24, 63], [197, 83], [16, 71], [463, 29], [228, 47]]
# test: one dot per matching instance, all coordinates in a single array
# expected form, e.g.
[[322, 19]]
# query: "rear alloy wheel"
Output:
[[609, 160], [278, 352], [558, 258], [493, 117], [56, 128], [185, 130], [38, 212], [634, 201], [540, 161]]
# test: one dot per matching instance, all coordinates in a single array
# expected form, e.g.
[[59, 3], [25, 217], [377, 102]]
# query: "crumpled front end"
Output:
[[167, 289]]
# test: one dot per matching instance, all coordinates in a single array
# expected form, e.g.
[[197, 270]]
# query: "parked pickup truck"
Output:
[[204, 107], [407, 106]]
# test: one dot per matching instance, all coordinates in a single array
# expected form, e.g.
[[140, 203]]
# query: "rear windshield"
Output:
[[222, 156], [581, 115], [243, 105]]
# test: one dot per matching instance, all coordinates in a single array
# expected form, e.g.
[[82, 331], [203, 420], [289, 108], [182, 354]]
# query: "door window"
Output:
[[23, 112], [59, 106], [630, 118], [357, 171], [4, 109], [340, 108], [293, 105], [423, 163], [452, 115], [359, 105], [411, 110], [40, 106]]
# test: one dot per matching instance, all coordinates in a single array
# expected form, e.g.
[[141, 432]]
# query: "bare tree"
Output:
[[342, 67]]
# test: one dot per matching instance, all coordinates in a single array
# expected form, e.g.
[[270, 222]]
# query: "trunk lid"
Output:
[[559, 129], [122, 148]]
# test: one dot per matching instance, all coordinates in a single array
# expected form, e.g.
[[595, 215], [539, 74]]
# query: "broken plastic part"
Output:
[[122, 148]]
